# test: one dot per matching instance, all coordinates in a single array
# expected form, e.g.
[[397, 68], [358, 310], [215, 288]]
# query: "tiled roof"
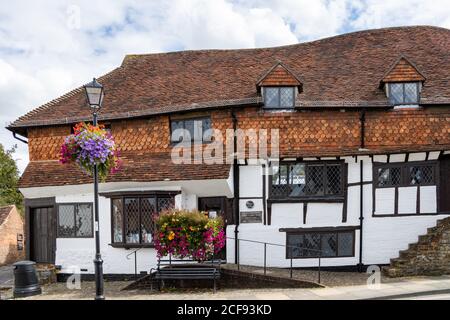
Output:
[[4, 213], [342, 71], [140, 168]]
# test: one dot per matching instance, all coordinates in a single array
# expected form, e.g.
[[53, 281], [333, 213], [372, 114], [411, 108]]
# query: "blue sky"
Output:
[[48, 47]]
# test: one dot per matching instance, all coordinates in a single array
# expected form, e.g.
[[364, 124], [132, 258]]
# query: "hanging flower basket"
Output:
[[188, 234], [90, 145]]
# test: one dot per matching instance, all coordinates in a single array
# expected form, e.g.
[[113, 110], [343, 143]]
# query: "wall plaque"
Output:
[[250, 217]]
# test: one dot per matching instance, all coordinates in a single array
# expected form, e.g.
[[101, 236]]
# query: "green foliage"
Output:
[[9, 179], [185, 233]]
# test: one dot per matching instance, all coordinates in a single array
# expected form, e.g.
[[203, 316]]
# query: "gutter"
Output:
[[235, 189], [20, 139], [362, 119]]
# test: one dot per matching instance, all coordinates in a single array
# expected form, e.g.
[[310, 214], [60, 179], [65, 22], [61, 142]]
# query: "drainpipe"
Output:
[[361, 215], [20, 139], [236, 189], [362, 119]]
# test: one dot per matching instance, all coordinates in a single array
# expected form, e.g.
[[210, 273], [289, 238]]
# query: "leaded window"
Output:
[[133, 217], [325, 244], [279, 97], [75, 220], [404, 93], [405, 175], [305, 180], [191, 130]]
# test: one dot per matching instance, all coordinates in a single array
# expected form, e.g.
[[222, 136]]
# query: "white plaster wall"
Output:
[[353, 205], [253, 253], [250, 181], [287, 214], [80, 253], [384, 200], [384, 237], [407, 200], [324, 214], [428, 199], [419, 156]]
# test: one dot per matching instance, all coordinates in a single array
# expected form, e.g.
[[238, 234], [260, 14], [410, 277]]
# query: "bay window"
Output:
[[133, 217]]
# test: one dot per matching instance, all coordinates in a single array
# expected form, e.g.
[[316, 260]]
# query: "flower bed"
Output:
[[90, 145], [188, 234]]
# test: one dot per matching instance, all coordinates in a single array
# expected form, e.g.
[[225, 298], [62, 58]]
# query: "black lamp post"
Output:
[[94, 93]]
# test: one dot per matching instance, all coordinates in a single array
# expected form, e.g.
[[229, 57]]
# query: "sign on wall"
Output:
[[250, 217]]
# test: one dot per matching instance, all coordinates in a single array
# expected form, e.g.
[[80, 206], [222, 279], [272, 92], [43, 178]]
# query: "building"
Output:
[[11, 235], [361, 171]]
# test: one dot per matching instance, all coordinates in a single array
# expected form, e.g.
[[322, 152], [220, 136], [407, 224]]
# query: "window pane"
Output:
[[295, 243], [314, 180], [117, 220], [311, 245], [411, 94], [148, 210], [84, 221], [329, 245], [271, 97], [389, 177], [207, 129], [177, 131], [334, 179], [190, 127], [297, 179], [166, 204], [286, 97], [345, 244], [198, 130], [132, 220], [396, 93], [66, 222], [421, 175]]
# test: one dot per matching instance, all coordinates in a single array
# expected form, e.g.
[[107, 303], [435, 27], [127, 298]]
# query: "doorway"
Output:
[[43, 235]]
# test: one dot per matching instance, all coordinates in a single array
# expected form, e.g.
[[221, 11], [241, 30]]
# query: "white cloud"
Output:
[[48, 47]]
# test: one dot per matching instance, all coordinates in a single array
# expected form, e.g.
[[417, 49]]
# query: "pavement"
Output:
[[417, 288], [6, 276]]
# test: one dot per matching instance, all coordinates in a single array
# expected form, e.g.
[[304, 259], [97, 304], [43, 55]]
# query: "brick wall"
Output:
[[11, 226]]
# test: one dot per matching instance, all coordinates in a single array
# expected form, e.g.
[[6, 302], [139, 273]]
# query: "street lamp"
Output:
[[95, 93]]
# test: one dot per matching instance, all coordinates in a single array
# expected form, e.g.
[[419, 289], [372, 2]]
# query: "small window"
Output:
[[194, 130], [307, 180], [75, 220], [405, 175], [404, 93], [279, 97], [324, 244]]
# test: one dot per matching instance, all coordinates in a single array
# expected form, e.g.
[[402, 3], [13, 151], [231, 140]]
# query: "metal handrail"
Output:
[[135, 260], [320, 252]]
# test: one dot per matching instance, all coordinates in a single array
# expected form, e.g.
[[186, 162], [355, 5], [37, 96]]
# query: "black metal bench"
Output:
[[187, 270]]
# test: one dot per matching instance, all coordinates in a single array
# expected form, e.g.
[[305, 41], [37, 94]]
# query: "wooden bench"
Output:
[[187, 270]]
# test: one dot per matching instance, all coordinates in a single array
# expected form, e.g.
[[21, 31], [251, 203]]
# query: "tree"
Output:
[[9, 179]]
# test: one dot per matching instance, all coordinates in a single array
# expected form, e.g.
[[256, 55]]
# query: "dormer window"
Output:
[[404, 93], [279, 97]]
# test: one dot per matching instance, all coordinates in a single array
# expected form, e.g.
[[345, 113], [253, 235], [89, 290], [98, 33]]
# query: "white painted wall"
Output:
[[287, 215], [383, 237], [80, 253], [324, 214], [253, 253]]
